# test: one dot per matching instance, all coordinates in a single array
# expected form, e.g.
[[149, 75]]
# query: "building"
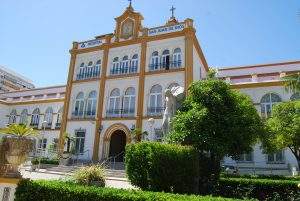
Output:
[[116, 83], [11, 81]]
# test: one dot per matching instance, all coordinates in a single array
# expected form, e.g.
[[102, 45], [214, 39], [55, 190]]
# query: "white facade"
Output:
[[117, 82]]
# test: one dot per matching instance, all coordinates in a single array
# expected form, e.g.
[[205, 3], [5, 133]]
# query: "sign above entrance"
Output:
[[166, 29], [91, 43]]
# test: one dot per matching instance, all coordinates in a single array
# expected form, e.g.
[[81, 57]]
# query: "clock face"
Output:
[[127, 29]]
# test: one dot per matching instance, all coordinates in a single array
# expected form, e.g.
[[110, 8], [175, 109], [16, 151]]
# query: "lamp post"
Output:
[[42, 150]]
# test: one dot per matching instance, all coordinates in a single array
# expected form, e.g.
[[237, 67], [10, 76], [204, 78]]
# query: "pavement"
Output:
[[113, 182]]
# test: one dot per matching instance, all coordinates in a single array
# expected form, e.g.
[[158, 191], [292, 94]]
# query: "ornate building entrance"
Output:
[[117, 145]]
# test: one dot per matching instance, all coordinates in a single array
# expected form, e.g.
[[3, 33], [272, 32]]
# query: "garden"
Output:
[[214, 121]]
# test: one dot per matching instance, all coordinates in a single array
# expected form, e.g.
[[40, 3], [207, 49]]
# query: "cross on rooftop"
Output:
[[130, 1], [172, 10]]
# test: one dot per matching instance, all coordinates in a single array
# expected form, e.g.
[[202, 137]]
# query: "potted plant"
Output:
[[17, 143], [66, 157]]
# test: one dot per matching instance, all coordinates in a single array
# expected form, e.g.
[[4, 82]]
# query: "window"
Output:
[[166, 59], [277, 157], [12, 117], [114, 103], [81, 72], [79, 105], [96, 71], [91, 104], [177, 58], [79, 142], [154, 61], [125, 65], [35, 117], [58, 119], [295, 96], [116, 67], [54, 145], [155, 100], [90, 64], [42, 145], [48, 117], [247, 157], [267, 102], [129, 102], [134, 64], [23, 117]]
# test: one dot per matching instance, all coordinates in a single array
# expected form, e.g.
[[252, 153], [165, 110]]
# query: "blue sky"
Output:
[[35, 35]]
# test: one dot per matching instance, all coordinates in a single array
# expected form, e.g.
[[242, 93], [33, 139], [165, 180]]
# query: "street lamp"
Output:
[[43, 135]]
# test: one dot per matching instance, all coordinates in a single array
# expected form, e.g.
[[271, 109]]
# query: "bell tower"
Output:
[[128, 25]]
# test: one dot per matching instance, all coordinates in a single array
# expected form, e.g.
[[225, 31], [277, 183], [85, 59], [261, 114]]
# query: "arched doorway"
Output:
[[117, 145]]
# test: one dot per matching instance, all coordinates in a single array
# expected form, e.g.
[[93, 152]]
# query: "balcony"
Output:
[[120, 113], [155, 111], [165, 66], [84, 115], [88, 73], [34, 125], [48, 125], [123, 71]]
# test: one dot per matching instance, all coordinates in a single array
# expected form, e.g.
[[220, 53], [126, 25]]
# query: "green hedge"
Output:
[[35, 161], [61, 191], [162, 167], [273, 177], [262, 189]]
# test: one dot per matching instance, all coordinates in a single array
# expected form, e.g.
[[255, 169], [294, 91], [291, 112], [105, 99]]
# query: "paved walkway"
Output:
[[110, 181]]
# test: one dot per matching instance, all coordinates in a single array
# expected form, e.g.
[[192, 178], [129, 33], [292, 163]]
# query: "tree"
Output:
[[283, 129], [292, 82], [216, 120]]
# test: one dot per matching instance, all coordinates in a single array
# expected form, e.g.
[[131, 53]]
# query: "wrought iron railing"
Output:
[[57, 124], [84, 114], [88, 73], [120, 113], [155, 111], [165, 65], [123, 70]]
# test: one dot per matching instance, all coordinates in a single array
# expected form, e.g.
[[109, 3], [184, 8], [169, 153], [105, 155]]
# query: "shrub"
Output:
[[61, 191], [273, 177], [162, 167], [90, 175], [262, 189], [35, 161]]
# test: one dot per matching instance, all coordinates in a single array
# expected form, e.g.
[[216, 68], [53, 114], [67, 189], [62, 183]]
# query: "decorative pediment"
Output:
[[128, 24]]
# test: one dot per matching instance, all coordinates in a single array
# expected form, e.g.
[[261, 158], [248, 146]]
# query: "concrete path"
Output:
[[110, 181]]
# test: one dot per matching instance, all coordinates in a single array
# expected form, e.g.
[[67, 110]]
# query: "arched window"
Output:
[[91, 104], [267, 102], [48, 117], [166, 59], [129, 102], [97, 68], [114, 103], [176, 63], [79, 105], [125, 65], [295, 96], [154, 61], [12, 117], [155, 100], [35, 117], [134, 64], [115, 67], [81, 72], [24, 117], [89, 70], [59, 117]]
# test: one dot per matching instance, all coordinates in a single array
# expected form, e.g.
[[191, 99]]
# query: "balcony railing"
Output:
[[155, 111], [34, 125], [120, 113], [48, 125], [165, 66], [123, 71], [88, 73], [84, 114]]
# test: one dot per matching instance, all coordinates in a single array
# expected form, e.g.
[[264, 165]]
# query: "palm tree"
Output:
[[19, 130], [292, 82]]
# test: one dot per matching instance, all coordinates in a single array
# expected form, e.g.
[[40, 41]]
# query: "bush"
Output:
[[35, 161], [262, 189], [61, 191], [90, 175], [162, 167], [273, 177]]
